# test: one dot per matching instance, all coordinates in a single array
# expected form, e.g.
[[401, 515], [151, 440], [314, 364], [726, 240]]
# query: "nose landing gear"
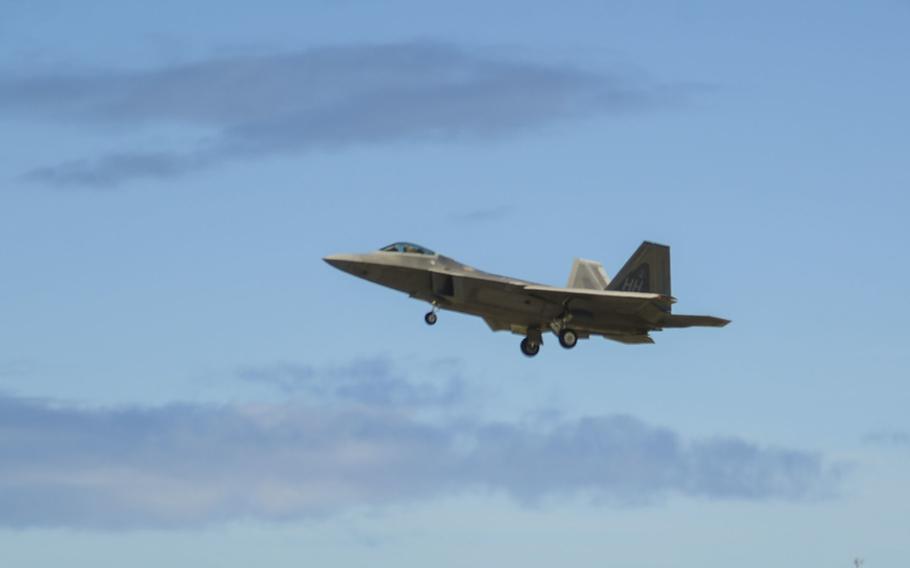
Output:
[[430, 316]]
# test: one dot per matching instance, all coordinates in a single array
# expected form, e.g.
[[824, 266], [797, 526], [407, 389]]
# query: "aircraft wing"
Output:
[[648, 305]]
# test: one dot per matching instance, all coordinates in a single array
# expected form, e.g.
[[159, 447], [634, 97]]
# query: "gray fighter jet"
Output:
[[624, 309]]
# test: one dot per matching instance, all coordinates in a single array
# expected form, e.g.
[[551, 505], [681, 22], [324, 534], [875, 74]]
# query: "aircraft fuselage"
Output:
[[625, 311]]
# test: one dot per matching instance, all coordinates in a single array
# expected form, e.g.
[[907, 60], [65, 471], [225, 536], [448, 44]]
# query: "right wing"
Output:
[[646, 305]]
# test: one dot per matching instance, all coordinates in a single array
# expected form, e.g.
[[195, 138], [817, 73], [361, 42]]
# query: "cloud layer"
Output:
[[372, 381], [191, 465], [320, 98]]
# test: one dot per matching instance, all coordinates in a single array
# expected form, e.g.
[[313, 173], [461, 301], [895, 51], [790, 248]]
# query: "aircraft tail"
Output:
[[648, 270]]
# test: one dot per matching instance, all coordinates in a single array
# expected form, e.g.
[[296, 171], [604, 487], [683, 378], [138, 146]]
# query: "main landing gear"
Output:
[[568, 338], [530, 347]]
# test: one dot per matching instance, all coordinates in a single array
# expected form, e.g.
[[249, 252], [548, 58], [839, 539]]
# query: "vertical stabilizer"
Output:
[[588, 274], [648, 270]]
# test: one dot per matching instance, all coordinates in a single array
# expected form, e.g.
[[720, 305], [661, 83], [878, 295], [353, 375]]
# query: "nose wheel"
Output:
[[430, 316]]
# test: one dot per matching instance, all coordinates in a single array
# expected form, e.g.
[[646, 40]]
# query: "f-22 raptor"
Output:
[[625, 309]]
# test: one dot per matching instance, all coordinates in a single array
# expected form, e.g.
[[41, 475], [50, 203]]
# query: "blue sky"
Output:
[[184, 381]]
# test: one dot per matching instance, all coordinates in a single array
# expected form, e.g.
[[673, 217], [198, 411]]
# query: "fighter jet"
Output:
[[625, 309]]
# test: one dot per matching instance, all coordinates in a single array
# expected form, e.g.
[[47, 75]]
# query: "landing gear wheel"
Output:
[[568, 338], [530, 347], [430, 318]]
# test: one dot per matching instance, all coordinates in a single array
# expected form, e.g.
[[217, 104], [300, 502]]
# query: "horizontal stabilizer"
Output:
[[629, 339], [676, 320]]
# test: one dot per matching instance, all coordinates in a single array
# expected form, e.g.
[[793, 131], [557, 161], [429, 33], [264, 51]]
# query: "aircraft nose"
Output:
[[344, 262]]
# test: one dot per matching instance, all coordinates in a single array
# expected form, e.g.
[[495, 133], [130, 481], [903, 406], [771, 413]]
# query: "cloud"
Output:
[[890, 438], [193, 464], [372, 381], [321, 98], [113, 169]]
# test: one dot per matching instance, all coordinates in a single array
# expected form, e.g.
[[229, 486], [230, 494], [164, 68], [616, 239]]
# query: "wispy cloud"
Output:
[[192, 464], [893, 438], [320, 98], [372, 381]]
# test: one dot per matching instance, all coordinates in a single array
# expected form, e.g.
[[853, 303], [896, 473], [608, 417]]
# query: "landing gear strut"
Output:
[[430, 316], [530, 345], [567, 337]]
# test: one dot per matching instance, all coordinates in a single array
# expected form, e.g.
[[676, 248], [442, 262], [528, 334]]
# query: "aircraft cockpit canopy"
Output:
[[406, 247]]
